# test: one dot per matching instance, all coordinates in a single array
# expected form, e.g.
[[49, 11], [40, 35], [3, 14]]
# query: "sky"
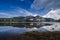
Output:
[[14, 8]]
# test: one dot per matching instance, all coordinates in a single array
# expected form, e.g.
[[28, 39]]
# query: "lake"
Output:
[[8, 29]]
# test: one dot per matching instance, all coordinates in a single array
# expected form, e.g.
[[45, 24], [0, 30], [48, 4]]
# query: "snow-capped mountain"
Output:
[[55, 14]]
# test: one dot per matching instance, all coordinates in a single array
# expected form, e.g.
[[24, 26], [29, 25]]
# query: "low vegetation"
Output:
[[58, 20], [35, 36]]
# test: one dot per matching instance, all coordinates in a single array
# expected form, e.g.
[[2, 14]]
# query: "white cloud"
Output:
[[4, 15], [16, 12], [37, 4], [55, 14], [46, 4], [7, 15], [24, 12]]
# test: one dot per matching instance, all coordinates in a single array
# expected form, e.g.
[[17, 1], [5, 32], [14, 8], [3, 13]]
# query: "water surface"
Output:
[[11, 30]]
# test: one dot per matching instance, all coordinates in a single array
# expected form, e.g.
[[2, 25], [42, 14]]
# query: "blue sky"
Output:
[[12, 8], [11, 4]]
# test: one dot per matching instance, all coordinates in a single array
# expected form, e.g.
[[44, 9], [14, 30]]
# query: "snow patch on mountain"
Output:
[[55, 14]]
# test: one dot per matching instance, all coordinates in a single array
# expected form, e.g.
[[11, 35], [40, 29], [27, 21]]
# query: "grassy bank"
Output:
[[35, 36]]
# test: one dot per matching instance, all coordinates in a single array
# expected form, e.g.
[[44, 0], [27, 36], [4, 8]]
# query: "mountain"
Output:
[[55, 14]]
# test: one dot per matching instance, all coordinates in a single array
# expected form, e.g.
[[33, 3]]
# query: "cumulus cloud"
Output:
[[51, 7], [53, 14], [46, 4]]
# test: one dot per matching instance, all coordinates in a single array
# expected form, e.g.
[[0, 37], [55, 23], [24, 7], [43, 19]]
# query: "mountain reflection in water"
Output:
[[10, 30]]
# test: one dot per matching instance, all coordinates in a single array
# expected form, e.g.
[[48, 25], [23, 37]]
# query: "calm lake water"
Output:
[[10, 30]]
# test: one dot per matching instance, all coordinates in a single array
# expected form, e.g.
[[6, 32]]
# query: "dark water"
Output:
[[26, 24], [8, 29]]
